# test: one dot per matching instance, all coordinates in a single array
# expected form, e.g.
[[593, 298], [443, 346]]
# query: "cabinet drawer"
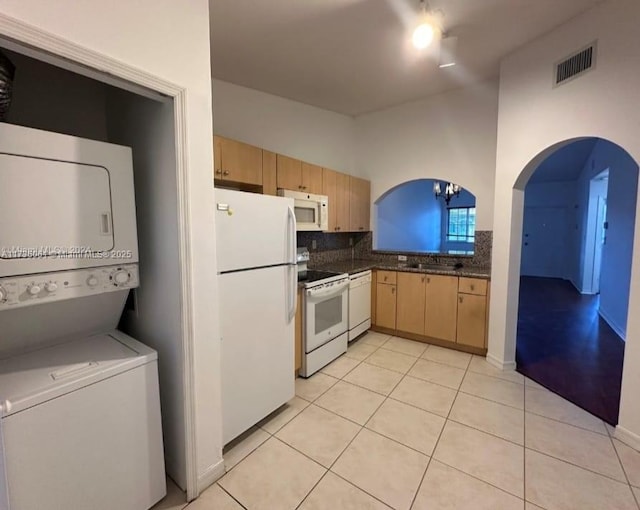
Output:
[[388, 277], [472, 286]]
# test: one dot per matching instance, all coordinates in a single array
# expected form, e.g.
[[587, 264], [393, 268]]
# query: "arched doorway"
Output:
[[575, 273]]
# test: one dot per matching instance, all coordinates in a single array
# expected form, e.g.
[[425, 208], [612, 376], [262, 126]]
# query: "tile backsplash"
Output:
[[357, 245]]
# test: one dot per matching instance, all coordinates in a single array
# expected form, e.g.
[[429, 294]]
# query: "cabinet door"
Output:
[[342, 202], [311, 178], [441, 307], [298, 329], [386, 306], [241, 162], [359, 204], [329, 188], [269, 169], [472, 317], [410, 302], [289, 173], [217, 157]]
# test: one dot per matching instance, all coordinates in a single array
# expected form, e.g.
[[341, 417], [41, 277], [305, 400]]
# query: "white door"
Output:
[[544, 242], [253, 230], [599, 242], [53, 205], [257, 321]]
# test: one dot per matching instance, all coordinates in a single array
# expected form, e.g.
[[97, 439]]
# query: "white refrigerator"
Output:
[[257, 275]]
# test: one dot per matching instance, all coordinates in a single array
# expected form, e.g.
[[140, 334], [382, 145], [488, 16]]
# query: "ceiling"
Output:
[[566, 163], [355, 56]]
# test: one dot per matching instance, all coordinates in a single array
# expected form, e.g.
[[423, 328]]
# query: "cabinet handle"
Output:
[[218, 171], [361, 228], [226, 172], [460, 299], [428, 280], [473, 287], [423, 279], [393, 290], [385, 278]]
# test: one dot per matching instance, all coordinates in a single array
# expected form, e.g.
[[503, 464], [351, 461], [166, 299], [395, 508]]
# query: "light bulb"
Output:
[[423, 36]]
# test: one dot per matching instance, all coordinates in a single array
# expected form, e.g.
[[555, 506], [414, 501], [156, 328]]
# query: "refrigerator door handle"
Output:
[[291, 291], [291, 231]]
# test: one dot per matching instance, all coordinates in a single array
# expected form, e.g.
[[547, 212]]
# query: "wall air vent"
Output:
[[575, 65]]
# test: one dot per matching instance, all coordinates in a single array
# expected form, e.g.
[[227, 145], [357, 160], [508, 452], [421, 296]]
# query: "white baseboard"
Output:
[[502, 365], [627, 437], [622, 334], [210, 476]]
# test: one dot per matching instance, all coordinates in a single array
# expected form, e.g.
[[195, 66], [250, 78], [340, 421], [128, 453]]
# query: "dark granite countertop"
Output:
[[358, 265]]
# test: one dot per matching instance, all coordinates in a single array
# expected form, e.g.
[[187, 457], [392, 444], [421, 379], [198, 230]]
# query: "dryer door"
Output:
[[52, 207]]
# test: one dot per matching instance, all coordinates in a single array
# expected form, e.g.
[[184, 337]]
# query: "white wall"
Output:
[[448, 136], [53, 99], [534, 118], [169, 40], [148, 128], [280, 125], [617, 253]]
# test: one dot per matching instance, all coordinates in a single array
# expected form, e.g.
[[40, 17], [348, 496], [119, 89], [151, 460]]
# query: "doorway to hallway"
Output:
[[577, 248]]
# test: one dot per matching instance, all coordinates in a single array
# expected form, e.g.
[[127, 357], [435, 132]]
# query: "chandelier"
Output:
[[450, 190]]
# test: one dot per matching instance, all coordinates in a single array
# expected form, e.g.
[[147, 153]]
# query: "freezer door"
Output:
[[253, 230], [257, 346]]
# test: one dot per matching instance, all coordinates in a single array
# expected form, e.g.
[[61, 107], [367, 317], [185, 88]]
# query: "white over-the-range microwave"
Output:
[[311, 211]]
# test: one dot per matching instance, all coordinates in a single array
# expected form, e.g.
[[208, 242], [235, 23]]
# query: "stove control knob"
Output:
[[51, 287], [3, 295], [121, 277], [92, 281], [34, 289]]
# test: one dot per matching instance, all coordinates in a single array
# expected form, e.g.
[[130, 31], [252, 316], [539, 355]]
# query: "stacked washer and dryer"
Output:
[[79, 401]]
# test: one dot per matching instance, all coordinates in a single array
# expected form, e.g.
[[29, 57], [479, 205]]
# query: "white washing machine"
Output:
[[80, 427]]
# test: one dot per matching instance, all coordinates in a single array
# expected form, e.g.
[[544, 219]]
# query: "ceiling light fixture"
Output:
[[450, 190], [425, 32]]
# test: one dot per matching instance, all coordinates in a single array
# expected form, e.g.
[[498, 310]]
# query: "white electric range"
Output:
[[325, 330]]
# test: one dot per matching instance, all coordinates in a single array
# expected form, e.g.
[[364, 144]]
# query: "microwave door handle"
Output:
[[291, 228]]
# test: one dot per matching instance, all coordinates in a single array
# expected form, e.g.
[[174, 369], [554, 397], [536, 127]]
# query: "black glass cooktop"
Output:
[[314, 276]]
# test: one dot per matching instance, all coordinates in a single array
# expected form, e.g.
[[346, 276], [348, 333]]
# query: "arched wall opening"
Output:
[[410, 218], [572, 322]]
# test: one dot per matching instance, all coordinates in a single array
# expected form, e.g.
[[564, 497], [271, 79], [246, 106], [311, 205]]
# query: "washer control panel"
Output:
[[19, 291]]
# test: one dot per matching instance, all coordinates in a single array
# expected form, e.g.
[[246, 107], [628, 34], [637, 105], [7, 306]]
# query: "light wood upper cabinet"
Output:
[[289, 173], [411, 302], [237, 162], [336, 186], [359, 204], [269, 169], [386, 305], [311, 178], [297, 175], [441, 307]]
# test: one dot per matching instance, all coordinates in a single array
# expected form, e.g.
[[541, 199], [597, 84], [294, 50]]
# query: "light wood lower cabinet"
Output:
[[441, 307], [386, 305], [411, 302], [298, 340], [472, 317], [374, 295]]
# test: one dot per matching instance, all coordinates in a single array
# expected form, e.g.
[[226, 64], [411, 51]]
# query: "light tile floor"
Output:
[[398, 424]]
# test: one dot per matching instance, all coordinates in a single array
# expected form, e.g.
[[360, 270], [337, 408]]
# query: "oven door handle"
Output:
[[316, 295]]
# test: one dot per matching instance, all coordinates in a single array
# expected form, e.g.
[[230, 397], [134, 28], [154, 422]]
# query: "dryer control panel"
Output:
[[19, 291]]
